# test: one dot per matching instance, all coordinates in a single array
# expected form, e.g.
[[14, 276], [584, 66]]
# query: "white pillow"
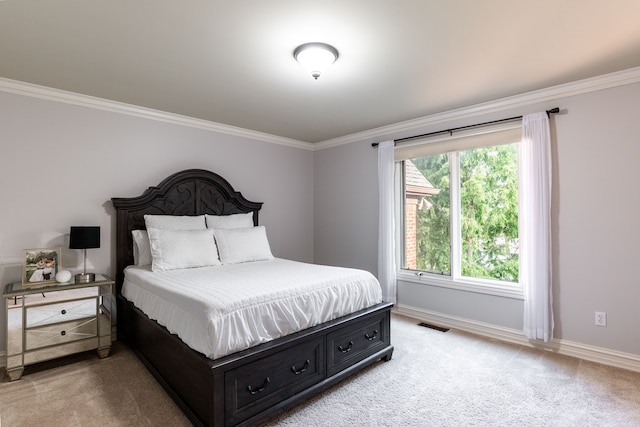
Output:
[[141, 247], [229, 222], [171, 222], [243, 245], [177, 249]]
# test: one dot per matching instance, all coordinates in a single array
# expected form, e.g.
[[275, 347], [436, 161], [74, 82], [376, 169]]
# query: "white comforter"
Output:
[[224, 309]]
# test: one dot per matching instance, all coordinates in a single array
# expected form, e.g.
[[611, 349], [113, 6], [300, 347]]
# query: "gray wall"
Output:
[[346, 207], [60, 165], [595, 209]]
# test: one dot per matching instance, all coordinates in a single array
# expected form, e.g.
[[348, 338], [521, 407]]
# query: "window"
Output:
[[460, 208]]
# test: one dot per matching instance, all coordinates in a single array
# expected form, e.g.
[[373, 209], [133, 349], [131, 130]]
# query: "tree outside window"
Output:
[[474, 193]]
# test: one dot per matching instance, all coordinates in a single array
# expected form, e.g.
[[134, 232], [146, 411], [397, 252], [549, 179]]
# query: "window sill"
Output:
[[506, 291]]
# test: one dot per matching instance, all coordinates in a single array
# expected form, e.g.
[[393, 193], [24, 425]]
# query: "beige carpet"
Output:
[[83, 390], [434, 379]]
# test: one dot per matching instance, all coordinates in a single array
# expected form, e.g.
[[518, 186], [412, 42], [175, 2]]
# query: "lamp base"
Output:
[[85, 277]]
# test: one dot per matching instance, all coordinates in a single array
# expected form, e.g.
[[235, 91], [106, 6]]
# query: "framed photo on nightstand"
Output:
[[40, 266]]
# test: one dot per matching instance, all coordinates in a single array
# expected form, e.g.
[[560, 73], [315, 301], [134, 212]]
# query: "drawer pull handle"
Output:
[[258, 390], [63, 333], [301, 370], [63, 312], [346, 349], [372, 336]]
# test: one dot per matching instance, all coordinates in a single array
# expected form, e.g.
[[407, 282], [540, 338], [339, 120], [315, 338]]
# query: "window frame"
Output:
[[455, 280]]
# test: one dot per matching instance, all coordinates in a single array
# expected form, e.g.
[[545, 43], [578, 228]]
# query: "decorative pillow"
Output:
[[229, 222], [243, 245], [171, 222], [177, 249], [141, 247]]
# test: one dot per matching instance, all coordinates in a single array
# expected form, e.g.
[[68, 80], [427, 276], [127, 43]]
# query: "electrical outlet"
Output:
[[601, 318]]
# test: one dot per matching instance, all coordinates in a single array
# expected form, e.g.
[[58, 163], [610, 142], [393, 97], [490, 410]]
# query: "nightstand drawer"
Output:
[[48, 353], [60, 333], [60, 312]]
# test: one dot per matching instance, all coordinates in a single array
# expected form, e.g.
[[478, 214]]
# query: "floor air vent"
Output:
[[437, 328]]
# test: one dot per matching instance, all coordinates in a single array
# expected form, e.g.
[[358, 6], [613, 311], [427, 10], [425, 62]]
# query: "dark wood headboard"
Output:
[[190, 192]]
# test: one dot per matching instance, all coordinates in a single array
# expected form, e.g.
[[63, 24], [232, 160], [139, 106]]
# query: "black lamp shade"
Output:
[[84, 237]]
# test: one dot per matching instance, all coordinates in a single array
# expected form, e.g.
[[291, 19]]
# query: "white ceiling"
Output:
[[231, 62]]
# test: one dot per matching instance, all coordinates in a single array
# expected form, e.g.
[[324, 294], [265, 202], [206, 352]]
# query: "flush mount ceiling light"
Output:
[[315, 57]]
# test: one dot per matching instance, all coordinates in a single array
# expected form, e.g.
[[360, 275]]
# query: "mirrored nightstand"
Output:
[[57, 319]]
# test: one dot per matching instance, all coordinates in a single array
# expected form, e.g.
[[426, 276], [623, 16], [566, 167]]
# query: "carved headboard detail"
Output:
[[190, 192]]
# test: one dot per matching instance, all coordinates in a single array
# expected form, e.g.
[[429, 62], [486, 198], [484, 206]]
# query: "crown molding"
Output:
[[57, 95], [553, 93]]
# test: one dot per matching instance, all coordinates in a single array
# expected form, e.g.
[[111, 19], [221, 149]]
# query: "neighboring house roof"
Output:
[[415, 183]]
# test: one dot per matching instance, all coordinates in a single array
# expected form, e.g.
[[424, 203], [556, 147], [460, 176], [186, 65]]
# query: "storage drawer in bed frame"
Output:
[[255, 387], [355, 342], [260, 382]]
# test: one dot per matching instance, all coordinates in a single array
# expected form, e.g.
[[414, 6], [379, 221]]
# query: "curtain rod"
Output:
[[450, 131]]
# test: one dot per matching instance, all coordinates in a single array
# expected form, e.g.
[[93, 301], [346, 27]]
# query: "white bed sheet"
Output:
[[224, 309]]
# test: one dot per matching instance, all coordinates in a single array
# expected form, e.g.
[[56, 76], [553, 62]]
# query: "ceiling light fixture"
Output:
[[315, 57]]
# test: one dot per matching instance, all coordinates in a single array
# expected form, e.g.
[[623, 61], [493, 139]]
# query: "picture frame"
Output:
[[40, 266]]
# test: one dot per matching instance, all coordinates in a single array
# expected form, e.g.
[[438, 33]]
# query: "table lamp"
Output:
[[84, 238]]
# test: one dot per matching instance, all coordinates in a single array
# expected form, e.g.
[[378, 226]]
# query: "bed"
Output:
[[256, 383]]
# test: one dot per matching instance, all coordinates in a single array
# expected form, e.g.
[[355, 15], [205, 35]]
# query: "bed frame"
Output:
[[252, 385]]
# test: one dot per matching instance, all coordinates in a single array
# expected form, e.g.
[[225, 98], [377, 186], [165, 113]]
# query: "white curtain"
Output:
[[535, 229], [386, 223]]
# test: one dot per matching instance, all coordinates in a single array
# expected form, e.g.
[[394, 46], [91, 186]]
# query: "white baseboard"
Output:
[[569, 348]]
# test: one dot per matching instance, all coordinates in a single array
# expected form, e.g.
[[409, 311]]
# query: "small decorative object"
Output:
[[40, 266], [84, 238], [63, 276]]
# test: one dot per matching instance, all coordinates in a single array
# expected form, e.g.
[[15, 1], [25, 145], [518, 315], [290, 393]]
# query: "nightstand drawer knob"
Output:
[[63, 333], [63, 312]]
